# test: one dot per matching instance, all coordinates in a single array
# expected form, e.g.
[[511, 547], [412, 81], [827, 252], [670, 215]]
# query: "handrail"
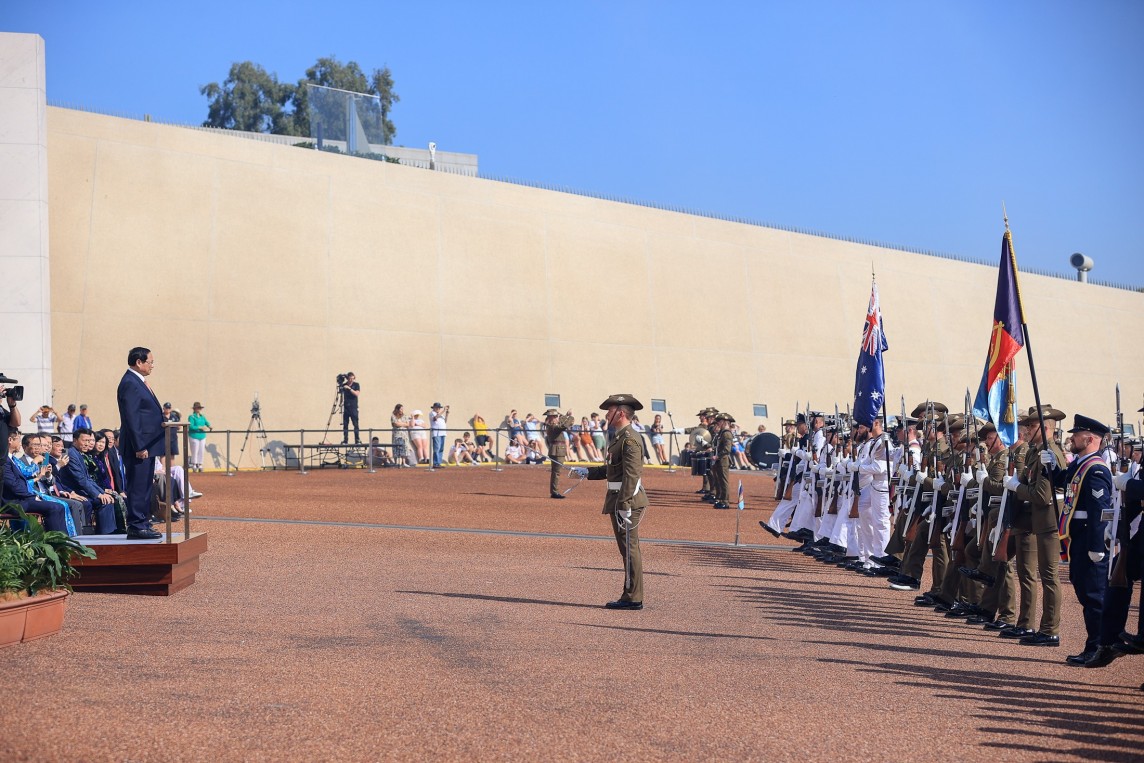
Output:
[[169, 484]]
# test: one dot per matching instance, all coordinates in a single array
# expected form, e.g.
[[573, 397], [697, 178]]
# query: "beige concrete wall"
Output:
[[249, 267], [25, 310]]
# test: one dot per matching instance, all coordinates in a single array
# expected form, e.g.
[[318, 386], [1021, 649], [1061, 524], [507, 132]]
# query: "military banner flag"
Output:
[[870, 375], [997, 396]]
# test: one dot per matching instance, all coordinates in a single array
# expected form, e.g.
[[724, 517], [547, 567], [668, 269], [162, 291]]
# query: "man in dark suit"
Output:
[[74, 475], [141, 440]]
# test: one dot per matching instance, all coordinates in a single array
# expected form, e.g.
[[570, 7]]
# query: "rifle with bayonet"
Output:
[[1118, 570], [958, 524], [910, 528], [1001, 530], [787, 485]]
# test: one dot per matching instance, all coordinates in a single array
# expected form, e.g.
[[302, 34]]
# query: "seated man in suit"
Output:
[[17, 490], [77, 478], [58, 484]]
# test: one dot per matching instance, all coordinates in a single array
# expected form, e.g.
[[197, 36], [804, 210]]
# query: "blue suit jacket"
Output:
[[75, 476], [15, 483], [140, 418]]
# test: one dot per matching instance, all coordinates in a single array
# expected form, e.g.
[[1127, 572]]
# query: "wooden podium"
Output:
[[151, 568]]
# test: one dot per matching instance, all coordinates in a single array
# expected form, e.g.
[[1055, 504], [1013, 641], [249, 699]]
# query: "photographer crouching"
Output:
[[349, 389]]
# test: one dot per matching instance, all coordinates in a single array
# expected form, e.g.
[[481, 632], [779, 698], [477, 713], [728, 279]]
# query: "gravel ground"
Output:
[[322, 639]]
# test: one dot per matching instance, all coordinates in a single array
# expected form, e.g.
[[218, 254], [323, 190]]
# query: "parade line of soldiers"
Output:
[[995, 521]]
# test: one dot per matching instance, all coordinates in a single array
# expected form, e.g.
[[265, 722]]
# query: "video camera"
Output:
[[15, 394], [342, 379]]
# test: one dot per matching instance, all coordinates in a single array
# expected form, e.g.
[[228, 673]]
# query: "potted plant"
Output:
[[35, 565]]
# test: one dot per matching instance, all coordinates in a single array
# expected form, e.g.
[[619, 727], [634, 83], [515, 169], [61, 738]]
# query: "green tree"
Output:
[[329, 72], [250, 99]]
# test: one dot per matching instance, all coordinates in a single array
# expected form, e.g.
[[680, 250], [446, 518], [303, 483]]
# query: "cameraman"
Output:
[[9, 419], [350, 390]]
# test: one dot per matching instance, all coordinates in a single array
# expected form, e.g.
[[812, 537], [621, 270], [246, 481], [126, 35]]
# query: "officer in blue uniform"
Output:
[[1088, 506]]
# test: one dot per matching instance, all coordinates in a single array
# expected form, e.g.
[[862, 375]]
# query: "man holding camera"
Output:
[[350, 389], [9, 419]]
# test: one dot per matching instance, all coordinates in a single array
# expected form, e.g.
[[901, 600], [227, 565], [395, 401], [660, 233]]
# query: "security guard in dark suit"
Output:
[[555, 426], [721, 470], [1088, 500], [625, 500]]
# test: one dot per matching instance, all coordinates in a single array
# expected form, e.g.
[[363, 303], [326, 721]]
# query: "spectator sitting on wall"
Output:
[[481, 437], [514, 453], [459, 454], [379, 455]]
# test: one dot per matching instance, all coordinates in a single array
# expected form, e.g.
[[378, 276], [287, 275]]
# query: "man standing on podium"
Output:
[[141, 440]]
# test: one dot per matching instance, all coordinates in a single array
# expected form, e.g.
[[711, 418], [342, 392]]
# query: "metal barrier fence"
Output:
[[304, 449]]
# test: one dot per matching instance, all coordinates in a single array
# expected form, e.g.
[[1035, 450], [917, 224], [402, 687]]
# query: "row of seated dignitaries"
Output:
[[77, 489]]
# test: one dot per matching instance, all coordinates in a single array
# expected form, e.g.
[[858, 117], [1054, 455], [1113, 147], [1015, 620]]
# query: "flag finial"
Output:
[[1005, 214]]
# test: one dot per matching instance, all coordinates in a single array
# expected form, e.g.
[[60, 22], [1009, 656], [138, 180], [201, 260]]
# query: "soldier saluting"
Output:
[[625, 500], [555, 426]]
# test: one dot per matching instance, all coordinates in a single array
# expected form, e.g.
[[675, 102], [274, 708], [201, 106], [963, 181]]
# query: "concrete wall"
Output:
[[248, 266], [25, 309]]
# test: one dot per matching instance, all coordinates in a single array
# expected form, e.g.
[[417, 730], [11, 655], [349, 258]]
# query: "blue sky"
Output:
[[906, 123]]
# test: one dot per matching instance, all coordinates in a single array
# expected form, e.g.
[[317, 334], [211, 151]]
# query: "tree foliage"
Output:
[[252, 99]]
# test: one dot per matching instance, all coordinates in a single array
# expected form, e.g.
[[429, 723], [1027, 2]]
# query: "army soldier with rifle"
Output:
[[721, 470], [1038, 543], [999, 599]]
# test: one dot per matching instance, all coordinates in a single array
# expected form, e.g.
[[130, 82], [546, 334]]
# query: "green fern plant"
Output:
[[34, 559]]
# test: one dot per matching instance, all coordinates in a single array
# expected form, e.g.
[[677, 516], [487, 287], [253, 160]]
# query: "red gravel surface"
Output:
[[349, 634]]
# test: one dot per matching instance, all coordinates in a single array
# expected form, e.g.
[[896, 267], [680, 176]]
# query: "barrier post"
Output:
[[229, 473], [302, 452], [496, 456], [369, 451]]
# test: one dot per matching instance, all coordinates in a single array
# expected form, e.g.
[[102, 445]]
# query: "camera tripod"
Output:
[[255, 426], [335, 409]]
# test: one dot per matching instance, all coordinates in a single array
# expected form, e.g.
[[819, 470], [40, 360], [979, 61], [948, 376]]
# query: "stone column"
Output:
[[25, 300]]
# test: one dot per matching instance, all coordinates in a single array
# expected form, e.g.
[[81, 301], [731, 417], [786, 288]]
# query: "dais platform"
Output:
[[146, 567]]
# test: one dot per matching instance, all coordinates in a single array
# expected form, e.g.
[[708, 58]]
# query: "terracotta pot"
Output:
[[45, 614], [13, 616]]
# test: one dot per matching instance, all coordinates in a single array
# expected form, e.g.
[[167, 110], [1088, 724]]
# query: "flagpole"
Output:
[[1029, 350]]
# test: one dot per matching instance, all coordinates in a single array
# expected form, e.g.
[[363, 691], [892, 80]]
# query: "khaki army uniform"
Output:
[[1039, 546], [557, 449], [955, 587], [623, 471], [721, 472], [1019, 520], [1000, 598], [914, 560]]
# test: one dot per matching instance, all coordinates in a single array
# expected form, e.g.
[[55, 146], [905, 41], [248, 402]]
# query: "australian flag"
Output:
[[870, 376], [997, 395]]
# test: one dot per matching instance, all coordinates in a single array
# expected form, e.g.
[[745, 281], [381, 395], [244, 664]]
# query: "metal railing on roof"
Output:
[[278, 139]]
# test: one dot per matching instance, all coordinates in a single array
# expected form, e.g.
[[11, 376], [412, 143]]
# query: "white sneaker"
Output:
[[196, 494]]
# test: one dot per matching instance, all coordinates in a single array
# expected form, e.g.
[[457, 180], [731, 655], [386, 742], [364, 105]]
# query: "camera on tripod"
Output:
[[342, 379]]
